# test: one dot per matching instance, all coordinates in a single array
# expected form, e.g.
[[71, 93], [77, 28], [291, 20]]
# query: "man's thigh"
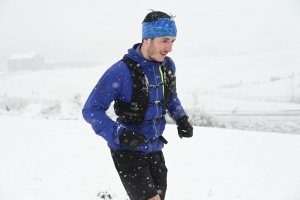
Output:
[[143, 175], [159, 173]]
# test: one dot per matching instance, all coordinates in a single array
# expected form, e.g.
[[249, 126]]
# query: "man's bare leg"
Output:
[[155, 197]]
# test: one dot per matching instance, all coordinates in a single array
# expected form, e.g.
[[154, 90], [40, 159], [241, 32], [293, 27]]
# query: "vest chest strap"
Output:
[[158, 138]]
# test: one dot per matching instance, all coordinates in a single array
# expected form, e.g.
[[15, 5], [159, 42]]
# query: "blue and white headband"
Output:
[[159, 28]]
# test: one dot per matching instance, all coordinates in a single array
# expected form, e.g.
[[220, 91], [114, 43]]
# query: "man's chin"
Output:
[[157, 59], [161, 58]]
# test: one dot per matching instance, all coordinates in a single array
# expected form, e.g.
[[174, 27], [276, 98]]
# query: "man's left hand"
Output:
[[184, 128]]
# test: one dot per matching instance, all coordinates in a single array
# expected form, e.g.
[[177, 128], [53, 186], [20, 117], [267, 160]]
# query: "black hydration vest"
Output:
[[133, 112]]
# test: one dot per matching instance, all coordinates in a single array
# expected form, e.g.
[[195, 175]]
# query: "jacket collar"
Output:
[[135, 54]]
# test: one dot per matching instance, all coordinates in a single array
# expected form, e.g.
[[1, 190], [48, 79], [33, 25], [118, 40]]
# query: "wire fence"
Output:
[[272, 98], [255, 113]]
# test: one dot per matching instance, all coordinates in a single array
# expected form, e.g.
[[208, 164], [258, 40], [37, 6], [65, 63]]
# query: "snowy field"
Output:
[[64, 159], [49, 152]]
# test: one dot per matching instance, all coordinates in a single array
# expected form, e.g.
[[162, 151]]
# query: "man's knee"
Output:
[[156, 197]]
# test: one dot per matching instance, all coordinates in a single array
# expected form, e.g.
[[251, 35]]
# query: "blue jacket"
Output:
[[116, 83]]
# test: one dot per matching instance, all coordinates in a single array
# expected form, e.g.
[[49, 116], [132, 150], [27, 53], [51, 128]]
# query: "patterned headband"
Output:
[[159, 28]]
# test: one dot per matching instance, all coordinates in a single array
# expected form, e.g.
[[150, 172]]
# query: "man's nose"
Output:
[[168, 47]]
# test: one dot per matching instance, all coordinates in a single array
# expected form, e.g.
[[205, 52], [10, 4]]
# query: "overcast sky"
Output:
[[98, 29]]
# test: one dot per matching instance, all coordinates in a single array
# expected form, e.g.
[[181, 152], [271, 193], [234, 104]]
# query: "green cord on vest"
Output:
[[162, 79]]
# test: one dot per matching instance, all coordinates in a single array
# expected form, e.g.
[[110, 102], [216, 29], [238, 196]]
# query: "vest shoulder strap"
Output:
[[134, 111]]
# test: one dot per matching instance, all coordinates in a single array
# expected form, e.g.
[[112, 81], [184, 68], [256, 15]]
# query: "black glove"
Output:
[[184, 127], [132, 139]]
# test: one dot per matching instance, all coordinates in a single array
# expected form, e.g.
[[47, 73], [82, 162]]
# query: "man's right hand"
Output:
[[132, 139]]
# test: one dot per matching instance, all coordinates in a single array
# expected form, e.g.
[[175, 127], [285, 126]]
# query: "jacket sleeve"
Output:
[[175, 109], [98, 102]]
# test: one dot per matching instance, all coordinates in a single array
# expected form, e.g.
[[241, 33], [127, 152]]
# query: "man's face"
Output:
[[158, 48]]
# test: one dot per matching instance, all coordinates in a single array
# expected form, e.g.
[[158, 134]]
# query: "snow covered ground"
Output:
[[64, 159]]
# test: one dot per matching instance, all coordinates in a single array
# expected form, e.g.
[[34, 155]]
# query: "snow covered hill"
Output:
[[207, 87]]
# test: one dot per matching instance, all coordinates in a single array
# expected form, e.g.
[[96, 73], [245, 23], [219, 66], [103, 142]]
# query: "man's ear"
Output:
[[146, 41]]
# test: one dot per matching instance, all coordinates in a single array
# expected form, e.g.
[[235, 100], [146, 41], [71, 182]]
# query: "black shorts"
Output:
[[143, 175]]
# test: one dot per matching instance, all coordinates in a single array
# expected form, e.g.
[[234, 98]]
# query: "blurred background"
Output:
[[96, 30]]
